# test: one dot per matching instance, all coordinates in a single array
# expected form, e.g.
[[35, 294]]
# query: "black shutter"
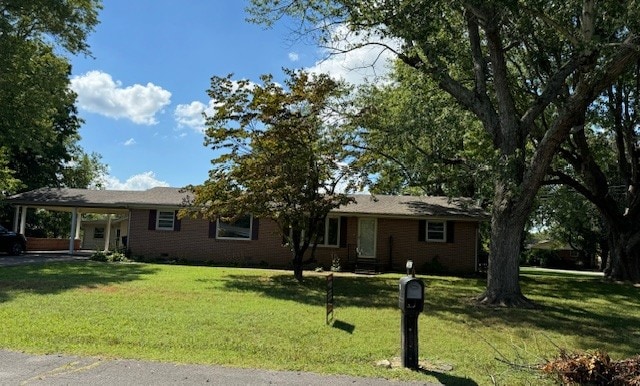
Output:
[[255, 228], [152, 219], [422, 230], [343, 231], [176, 222], [212, 229], [450, 231]]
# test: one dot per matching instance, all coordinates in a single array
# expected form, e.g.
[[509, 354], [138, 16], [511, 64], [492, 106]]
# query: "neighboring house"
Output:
[[555, 254], [380, 232]]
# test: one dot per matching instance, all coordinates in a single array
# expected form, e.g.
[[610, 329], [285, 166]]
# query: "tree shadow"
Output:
[[562, 308], [53, 278], [356, 291], [558, 298]]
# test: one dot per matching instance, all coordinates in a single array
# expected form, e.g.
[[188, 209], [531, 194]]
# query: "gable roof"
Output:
[[413, 206], [164, 197]]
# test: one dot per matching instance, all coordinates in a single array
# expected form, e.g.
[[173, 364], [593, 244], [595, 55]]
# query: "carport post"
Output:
[[23, 219], [72, 233], [16, 219], [107, 233]]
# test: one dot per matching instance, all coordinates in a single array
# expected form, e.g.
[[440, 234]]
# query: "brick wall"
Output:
[[43, 244], [192, 242], [397, 241]]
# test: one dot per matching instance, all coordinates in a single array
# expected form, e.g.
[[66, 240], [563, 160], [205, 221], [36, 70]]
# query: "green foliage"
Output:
[[414, 138], [109, 256], [8, 182], [84, 170], [279, 154], [38, 119], [65, 22]]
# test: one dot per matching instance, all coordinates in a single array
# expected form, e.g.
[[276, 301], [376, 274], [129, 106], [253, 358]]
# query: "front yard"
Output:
[[264, 319]]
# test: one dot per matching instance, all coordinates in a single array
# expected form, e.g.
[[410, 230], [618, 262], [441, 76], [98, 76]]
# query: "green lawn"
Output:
[[264, 319]]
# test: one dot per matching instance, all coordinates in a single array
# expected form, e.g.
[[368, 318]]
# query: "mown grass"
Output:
[[264, 319]]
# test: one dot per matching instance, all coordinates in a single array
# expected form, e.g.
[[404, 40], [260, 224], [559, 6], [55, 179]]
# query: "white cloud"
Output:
[[99, 93], [142, 181], [192, 115], [130, 142], [356, 65], [294, 57]]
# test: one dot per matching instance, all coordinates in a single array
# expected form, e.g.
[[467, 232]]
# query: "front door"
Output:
[[367, 237]]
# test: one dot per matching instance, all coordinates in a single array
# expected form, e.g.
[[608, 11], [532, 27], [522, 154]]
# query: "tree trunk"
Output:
[[297, 266], [507, 225], [624, 261]]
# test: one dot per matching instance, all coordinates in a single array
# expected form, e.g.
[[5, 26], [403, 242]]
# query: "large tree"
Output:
[[38, 119], [603, 164], [277, 157], [523, 68], [400, 141]]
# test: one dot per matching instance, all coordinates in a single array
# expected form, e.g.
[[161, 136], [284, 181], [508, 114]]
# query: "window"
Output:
[[165, 220], [329, 237], [98, 233], [436, 231], [331, 232], [236, 230]]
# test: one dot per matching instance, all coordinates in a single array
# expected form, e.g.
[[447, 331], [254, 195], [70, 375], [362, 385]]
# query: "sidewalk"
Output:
[[22, 369]]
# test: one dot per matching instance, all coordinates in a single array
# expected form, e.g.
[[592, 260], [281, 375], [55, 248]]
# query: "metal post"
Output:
[[409, 340]]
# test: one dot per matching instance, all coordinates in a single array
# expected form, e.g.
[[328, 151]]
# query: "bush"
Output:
[[109, 257]]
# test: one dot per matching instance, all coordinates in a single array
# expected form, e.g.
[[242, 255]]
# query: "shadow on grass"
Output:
[[448, 379], [58, 277], [349, 291], [597, 312], [344, 326], [586, 307]]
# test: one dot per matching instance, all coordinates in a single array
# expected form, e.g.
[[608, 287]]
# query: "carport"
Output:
[[75, 201]]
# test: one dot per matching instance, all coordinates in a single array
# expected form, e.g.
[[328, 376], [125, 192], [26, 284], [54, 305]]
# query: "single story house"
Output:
[[380, 231]]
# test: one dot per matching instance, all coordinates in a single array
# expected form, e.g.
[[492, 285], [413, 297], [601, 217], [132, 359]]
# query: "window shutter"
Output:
[[343, 232], [176, 222], [450, 231], [212, 229], [255, 228], [152, 219], [422, 230]]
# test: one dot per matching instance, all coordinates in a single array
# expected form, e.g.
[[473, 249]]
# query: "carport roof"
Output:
[[107, 199], [365, 204]]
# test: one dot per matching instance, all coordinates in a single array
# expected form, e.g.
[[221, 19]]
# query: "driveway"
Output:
[[41, 257]]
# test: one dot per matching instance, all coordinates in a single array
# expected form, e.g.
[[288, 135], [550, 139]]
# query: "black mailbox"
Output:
[[411, 298]]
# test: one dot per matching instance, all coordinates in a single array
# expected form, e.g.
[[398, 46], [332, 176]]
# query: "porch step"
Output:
[[366, 266]]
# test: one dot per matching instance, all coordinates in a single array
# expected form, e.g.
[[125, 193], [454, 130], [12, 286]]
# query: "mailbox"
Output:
[[411, 297]]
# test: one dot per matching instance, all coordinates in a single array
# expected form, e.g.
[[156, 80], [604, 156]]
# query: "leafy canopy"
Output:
[[279, 155]]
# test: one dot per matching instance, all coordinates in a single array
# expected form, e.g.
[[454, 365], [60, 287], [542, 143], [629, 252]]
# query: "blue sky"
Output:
[[143, 92]]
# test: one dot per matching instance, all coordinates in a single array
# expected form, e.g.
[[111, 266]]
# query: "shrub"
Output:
[[109, 257]]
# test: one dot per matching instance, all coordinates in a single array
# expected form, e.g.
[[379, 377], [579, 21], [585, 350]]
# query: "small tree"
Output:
[[281, 157]]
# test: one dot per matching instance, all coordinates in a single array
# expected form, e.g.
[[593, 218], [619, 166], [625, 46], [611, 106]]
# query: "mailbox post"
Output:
[[411, 303]]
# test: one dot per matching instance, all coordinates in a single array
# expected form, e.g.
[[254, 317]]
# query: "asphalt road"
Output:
[[22, 369]]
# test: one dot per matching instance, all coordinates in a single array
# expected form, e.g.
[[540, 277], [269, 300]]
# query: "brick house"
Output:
[[379, 232]]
